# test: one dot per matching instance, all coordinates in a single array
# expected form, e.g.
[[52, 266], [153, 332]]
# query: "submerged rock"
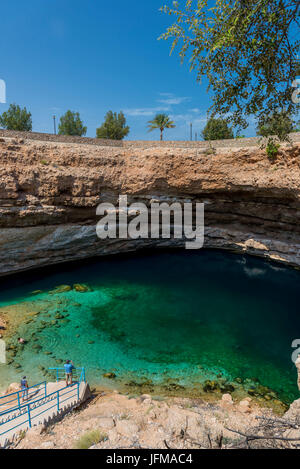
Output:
[[61, 289], [59, 316], [227, 388], [81, 288], [109, 375], [262, 392], [64, 321], [211, 386], [173, 387], [3, 324], [36, 347]]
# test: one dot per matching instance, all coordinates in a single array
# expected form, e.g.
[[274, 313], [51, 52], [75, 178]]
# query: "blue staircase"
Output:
[[21, 410]]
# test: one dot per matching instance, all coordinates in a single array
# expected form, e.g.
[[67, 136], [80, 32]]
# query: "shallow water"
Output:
[[181, 316]]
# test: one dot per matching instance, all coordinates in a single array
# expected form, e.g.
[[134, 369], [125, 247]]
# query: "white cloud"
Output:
[[145, 112], [190, 118], [172, 100]]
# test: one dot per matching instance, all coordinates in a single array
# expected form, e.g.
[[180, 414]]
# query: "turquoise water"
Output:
[[169, 317]]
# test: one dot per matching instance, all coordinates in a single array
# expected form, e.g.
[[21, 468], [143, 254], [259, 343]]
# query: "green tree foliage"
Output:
[[71, 124], [114, 127], [278, 124], [272, 149], [16, 118], [161, 122], [247, 49], [217, 129]]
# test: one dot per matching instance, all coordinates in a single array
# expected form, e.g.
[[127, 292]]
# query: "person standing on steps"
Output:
[[24, 388], [69, 367]]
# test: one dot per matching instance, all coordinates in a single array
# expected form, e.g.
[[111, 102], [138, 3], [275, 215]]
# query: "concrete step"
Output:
[[42, 410]]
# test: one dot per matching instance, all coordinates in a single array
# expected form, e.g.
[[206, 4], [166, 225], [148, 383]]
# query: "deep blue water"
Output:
[[179, 315]]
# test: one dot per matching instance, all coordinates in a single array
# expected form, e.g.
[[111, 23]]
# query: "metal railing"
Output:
[[78, 374], [17, 396], [13, 409], [30, 411]]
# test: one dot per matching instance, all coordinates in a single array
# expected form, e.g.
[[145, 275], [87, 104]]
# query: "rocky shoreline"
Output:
[[115, 421]]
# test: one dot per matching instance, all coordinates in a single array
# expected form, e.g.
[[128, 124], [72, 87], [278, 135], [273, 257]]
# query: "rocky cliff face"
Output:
[[49, 193]]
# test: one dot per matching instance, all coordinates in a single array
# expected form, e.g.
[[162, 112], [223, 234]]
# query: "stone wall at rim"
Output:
[[230, 143]]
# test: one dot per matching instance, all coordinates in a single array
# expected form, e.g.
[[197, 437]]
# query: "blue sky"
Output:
[[96, 56]]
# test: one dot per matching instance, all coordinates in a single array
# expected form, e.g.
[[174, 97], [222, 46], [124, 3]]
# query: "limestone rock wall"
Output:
[[49, 192]]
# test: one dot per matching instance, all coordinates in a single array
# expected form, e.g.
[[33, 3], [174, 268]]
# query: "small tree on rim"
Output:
[[16, 118], [161, 122], [71, 124]]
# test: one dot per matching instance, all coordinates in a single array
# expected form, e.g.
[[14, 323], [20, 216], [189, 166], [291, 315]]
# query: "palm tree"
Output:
[[161, 122]]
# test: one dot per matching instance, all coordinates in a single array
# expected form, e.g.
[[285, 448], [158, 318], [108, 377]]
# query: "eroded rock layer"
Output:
[[49, 193]]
